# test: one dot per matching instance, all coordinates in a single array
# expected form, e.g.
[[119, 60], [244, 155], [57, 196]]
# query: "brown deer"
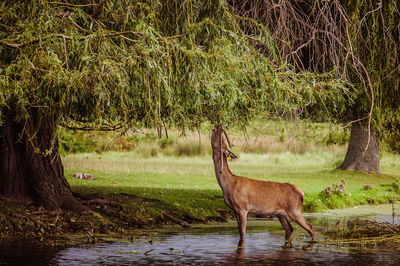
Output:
[[244, 195]]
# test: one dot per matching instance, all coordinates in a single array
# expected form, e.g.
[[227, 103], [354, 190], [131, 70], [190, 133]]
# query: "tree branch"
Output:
[[12, 45], [97, 10], [65, 37], [88, 128]]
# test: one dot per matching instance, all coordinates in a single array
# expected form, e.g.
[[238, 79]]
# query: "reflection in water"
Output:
[[286, 255], [199, 249], [309, 255], [264, 245], [263, 248], [27, 253]]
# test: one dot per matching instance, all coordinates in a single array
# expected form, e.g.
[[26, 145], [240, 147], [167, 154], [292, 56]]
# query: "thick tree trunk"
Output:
[[357, 158], [30, 166]]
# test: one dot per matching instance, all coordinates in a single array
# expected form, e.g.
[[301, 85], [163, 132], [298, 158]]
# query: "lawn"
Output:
[[187, 185]]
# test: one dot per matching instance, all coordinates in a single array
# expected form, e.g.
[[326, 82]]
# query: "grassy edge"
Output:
[[135, 212]]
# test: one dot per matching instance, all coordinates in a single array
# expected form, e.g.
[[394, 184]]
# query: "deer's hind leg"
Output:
[[300, 220], [286, 225]]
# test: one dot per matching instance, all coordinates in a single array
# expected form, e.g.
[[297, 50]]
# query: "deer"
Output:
[[245, 195]]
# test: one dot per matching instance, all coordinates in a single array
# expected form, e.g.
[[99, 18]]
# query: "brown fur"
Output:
[[245, 195]]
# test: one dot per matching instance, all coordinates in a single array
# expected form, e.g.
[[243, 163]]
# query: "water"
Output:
[[213, 245]]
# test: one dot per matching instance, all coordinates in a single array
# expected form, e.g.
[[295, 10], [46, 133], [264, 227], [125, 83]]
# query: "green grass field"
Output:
[[177, 173], [187, 185]]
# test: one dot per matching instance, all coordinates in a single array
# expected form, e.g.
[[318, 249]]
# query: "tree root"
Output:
[[176, 220]]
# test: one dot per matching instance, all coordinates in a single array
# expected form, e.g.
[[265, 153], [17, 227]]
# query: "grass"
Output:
[[187, 185], [184, 185], [178, 173]]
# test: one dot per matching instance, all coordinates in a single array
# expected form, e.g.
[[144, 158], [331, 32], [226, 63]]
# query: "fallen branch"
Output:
[[103, 202], [147, 252], [176, 220]]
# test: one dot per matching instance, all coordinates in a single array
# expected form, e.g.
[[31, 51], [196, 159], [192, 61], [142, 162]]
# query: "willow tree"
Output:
[[359, 41], [109, 65]]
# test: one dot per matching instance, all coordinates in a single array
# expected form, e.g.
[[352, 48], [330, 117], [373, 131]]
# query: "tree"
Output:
[[116, 64], [374, 36], [359, 41]]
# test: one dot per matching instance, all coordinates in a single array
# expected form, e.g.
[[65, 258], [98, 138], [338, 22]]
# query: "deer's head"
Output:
[[227, 153]]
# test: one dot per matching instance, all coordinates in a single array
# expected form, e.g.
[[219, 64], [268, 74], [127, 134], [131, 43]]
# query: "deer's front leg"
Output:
[[241, 217]]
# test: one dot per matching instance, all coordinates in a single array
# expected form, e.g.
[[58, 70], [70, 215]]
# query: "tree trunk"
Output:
[[30, 166], [159, 131], [357, 158]]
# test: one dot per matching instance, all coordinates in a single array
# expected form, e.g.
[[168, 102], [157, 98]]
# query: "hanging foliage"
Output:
[[358, 40], [113, 64]]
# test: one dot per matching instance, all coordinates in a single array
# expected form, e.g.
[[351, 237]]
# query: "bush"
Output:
[[395, 186], [270, 145], [166, 142], [337, 137], [76, 142], [191, 147], [147, 150]]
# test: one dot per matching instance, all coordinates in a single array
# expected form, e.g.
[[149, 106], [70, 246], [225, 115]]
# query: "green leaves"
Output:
[[149, 63]]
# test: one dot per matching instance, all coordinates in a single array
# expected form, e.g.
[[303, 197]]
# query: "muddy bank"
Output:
[[107, 214], [126, 214]]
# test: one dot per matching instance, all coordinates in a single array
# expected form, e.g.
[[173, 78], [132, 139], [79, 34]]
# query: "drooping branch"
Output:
[[84, 125], [97, 10], [93, 70], [351, 40], [71, 5], [69, 38]]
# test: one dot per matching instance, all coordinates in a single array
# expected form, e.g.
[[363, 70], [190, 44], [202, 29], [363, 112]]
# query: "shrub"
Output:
[[147, 150], [191, 147], [337, 137]]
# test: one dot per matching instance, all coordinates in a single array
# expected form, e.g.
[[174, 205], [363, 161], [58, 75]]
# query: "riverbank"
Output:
[[122, 215], [216, 244], [130, 192], [112, 214]]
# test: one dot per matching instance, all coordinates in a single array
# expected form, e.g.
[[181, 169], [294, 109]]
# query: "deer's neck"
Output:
[[222, 172]]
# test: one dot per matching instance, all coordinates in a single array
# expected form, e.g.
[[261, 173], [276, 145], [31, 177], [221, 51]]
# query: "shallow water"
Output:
[[214, 244]]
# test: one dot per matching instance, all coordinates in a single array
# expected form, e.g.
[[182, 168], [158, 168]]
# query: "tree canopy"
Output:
[[111, 64], [358, 40]]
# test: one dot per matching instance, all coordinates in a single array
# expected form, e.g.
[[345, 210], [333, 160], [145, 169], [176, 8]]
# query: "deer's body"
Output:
[[261, 197], [245, 195]]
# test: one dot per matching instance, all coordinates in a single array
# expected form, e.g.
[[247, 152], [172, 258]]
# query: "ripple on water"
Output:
[[208, 245]]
